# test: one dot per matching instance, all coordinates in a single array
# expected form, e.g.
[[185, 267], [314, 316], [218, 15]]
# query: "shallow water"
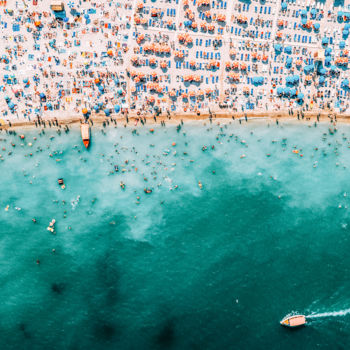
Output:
[[182, 267]]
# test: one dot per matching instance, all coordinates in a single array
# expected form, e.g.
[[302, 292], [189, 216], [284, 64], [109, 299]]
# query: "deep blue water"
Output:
[[182, 267]]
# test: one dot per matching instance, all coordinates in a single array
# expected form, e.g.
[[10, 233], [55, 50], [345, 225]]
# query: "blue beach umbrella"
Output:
[[11, 105], [313, 12], [345, 33], [327, 61], [284, 6], [279, 91], [117, 108], [7, 99], [289, 61], [101, 89], [107, 112], [120, 91], [65, 19], [345, 83], [308, 68], [333, 68], [321, 80], [328, 51], [325, 41], [288, 50], [287, 91], [278, 47], [293, 92], [316, 26], [96, 108], [322, 71], [300, 98], [342, 45], [303, 13], [303, 21]]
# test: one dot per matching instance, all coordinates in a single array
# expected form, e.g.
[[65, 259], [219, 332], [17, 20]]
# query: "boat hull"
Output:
[[294, 321], [86, 143], [85, 134]]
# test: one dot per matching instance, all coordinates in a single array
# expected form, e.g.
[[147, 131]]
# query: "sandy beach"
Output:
[[174, 57]]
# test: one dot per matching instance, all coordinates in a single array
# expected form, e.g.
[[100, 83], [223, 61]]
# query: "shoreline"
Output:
[[174, 119]]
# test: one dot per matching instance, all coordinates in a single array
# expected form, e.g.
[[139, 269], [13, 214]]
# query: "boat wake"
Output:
[[330, 314]]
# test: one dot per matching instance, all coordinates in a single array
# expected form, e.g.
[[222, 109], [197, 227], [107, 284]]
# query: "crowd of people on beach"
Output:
[[149, 57]]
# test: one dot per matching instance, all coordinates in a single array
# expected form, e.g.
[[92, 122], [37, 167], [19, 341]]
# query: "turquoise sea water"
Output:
[[186, 268]]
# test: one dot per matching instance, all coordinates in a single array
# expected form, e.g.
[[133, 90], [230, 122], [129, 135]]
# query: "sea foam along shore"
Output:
[[133, 119]]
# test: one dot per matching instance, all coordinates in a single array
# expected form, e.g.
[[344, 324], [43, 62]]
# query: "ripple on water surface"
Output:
[[182, 267]]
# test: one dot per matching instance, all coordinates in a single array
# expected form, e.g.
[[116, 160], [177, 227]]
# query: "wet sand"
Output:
[[174, 118]]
